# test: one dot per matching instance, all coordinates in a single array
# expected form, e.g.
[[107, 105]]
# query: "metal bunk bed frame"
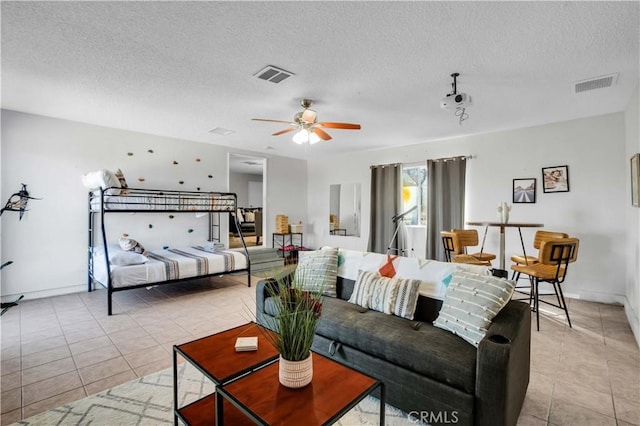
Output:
[[178, 201]]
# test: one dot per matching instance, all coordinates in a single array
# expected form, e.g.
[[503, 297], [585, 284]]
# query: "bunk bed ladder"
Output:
[[214, 226]]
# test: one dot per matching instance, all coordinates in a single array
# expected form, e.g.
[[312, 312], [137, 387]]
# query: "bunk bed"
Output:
[[119, 270]]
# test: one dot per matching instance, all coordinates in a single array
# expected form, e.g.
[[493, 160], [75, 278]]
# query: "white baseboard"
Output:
[[45, 293]]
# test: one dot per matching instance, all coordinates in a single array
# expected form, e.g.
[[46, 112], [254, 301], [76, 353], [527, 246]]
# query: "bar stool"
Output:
[[469, 238], [551, 266], [524, 259], [453, 251]]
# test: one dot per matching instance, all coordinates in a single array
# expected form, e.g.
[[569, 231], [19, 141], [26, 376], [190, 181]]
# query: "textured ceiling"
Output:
[[180, 69]]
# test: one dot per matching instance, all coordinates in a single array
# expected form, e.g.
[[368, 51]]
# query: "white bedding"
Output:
[[169, 264]]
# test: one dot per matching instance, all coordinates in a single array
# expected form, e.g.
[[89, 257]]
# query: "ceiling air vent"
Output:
[[273, 74], [221, 131], [594, 83]]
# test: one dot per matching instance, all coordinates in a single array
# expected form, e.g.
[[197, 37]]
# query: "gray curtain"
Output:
[[386, 181], [446, 182]]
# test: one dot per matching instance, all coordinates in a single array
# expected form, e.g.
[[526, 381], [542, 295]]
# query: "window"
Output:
[[414, 193]]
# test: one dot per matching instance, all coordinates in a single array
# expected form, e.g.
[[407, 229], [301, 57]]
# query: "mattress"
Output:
[[171, 264]]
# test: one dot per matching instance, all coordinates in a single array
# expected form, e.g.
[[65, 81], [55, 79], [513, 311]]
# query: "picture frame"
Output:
[[555, 179], [524, 190], [635, 180]]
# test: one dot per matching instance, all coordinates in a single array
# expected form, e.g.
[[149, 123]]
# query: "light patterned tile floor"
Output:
[[60, 349]]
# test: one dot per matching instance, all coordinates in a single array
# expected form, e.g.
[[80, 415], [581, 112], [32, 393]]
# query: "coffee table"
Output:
[[334, 390], [216, 358]]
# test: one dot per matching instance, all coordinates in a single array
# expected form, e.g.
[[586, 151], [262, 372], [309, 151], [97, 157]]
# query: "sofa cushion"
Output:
[[471, 302], [317, 270], [416, 346]]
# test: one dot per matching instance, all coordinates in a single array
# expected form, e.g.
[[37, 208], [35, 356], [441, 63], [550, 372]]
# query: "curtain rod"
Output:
[[385, 165], [460, 157]]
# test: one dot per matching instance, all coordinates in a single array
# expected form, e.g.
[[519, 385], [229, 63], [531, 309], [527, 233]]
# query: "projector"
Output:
[[455, 100]]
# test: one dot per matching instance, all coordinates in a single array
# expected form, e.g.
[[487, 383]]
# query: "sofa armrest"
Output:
[[268, 287], [502, 366]]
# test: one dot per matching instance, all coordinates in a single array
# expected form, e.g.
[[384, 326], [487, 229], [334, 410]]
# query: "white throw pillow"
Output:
[[471, 302], [102, 179], [119, 257]]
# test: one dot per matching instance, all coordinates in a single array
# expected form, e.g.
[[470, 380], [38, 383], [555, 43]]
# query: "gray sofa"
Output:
[[428, 372]]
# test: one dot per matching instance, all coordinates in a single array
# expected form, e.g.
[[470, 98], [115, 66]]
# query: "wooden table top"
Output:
[[331, 392], [217, 357]]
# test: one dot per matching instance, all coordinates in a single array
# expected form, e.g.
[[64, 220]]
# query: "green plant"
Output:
[[297, 314]]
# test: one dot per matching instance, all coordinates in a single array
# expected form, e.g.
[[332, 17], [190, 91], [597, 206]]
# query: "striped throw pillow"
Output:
[[470, 304], [407, 297], [373, 291], [318, 270]]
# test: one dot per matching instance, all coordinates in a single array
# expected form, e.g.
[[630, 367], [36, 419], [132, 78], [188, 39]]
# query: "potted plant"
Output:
[[297, 314]]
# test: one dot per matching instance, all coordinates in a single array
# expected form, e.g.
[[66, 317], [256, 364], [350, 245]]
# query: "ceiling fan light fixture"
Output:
[[313, 138], [301, 137]]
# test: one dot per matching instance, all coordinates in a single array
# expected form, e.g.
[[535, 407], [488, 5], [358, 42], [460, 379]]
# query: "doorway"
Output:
[[246, 180]]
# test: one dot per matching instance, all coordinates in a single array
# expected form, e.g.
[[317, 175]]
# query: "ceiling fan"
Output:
[[308, 128]]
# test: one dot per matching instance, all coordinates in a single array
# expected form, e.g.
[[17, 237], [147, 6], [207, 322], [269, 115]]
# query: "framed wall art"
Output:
[[555, 179], [635, 180], [524, 190]]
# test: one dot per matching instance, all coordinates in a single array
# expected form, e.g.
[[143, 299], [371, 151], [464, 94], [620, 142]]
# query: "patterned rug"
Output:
[[149, 401]]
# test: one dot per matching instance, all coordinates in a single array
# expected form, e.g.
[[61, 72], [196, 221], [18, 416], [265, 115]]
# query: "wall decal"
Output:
[[210, 177], [197, 160], [150, 226], [141, 179], [150, 151], [175, 162], [190, 231], [130, 154], [165, 247], [181, 182], [17, 202], [171, 216], [198, 188]]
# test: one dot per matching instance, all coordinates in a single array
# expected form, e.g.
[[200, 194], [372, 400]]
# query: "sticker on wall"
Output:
[[175, 162], [198, 188], [130, 154], [181, 182], [125, 235], [150, 226], [190, 231], [171, 216], [197, 160], [140, 179], [210, 177], [150, 151], [165, 247]]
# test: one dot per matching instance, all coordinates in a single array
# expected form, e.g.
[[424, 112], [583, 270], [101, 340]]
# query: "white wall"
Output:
[[49, 245], [593, 210], [632, 251]]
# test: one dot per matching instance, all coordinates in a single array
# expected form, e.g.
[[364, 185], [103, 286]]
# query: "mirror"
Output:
[[344, 209]]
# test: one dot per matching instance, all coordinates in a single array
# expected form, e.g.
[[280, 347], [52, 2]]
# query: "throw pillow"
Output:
[[124, 258], [471, 302], [407, 297], [128, 244], [317, 270], [387, 270], [373, 291], [102, 179], [123, 182]]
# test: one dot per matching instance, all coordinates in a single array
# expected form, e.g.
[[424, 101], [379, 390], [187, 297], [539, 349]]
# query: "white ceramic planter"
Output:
[[296, 374]]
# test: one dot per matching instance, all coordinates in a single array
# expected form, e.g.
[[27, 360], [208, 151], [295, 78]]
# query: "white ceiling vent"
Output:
[[594, 83], [273, 74], [221, 131]]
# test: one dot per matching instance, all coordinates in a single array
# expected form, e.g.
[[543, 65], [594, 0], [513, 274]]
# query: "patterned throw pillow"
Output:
[[128, 244], [407, 297], [373, 291], [123, 182], [318, 270], [471, 302]]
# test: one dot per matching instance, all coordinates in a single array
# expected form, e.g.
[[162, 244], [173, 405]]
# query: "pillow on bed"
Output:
[[123, 182], [119, 257], [129, 244], [102, 179]]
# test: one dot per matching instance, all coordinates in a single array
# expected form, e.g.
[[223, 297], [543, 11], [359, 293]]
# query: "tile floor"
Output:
[[59, 349]]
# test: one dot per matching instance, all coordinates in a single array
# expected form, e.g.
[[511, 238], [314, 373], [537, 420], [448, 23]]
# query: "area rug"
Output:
[[149, 401]]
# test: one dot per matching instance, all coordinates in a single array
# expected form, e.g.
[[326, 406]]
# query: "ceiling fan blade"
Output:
[[321, 133], [273, 121], [333, 125], [284, 131]]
